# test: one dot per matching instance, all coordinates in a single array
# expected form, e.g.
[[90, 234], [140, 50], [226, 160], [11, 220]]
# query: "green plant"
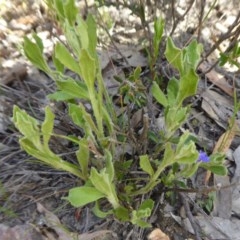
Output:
[[96, 164]]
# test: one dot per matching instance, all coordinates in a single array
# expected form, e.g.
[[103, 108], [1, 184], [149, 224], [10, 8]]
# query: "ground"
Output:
[[31, 193]]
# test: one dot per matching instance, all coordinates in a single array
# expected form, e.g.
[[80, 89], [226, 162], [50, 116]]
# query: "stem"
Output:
[[152, 183]]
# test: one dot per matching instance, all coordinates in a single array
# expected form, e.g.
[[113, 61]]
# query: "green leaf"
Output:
[[82, 119], [189, 170], [219, 170], [159, 95], [137, 73], [147, 204], [168, 158], [34, 53], [59, 66], [172, 91], [122, 214], [92, 34], [72, 88], [64, 56], [72, 38], [102, 182], [38, 41], [174, 118], [158, 32], [59, 7], [88, 68], [174, 55], [144, 211], [192, 55], [27, 125], [60, 96], [109, 165], [80, 196], [99, 213], [82, 33], [186, 150], [47, 126], [187, 86], [70, 11], [49, 158], [146, 165], [83, 156]]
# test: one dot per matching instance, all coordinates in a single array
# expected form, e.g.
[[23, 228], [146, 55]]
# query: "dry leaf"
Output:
[[158, 234], [217, 79]]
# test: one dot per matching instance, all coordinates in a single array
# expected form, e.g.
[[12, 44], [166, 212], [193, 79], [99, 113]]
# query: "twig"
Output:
[[181, 18], [203, 3], [190, 216]]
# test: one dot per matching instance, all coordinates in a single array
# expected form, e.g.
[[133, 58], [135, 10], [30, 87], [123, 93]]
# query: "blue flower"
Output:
[[203, 157]]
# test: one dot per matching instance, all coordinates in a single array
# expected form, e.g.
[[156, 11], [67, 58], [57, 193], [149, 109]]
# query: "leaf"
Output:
[[216, 169], [27, 125], [83, 156], [58, 65], [189, 170], [63, 55], [143, 211], [82, 33], [72, 38], [34, 53], [122, 214], [186, 150], [82, 119], [72, 88], [60, 96], [99, 213], [80, 196], [174, 55], [38, 41], [187, 86], [47, 126], [70, 11], [88, 68], [92, 34], [159, 95], [172, 91], [146, 165], [158, 32], [192, 55], [109, 165], [59, 7], [49, 158], [147, 204], [168, 158], [101, 181]]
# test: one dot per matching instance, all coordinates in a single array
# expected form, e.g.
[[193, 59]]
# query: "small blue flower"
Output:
[[203, 157]]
